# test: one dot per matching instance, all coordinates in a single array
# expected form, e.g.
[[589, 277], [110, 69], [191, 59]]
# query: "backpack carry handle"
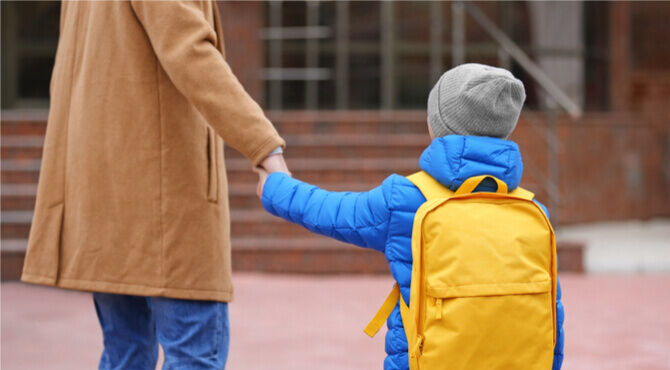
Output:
[[470, 184]]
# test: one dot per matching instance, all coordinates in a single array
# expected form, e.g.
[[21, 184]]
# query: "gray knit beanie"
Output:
[[475, 99]]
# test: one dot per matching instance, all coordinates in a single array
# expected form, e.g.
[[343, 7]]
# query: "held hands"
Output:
[[272, 163]]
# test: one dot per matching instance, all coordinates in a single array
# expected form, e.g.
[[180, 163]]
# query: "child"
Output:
[[472, 110]]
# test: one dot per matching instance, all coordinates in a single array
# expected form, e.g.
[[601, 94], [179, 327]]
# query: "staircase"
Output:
[[337, 151]]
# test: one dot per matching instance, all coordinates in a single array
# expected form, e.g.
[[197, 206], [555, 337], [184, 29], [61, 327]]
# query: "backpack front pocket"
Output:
[[489, 327]]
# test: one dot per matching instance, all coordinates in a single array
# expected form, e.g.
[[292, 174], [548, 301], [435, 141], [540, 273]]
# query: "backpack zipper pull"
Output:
[[438, 308], [418, 347]]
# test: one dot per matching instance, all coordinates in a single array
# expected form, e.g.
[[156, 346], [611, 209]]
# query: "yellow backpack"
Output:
[[483, 287]]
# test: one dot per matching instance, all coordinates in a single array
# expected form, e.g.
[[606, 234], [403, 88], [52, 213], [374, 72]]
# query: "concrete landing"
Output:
[[626, 246]]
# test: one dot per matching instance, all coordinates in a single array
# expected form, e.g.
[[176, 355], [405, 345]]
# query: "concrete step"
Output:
[[292, 151], [298, 146], [21, 197], [339, 152], [18, 197], [14, 245], [34, 126], [251, 222], [319, 170], [308, 255], [376, 145], [286, 122], [379, 139], [329, 170], [15, 224], [20, 171], [17, 203], [298, 254], [244, 222], [21, 146], [243, 196], [363, 139], [18, 189], [11, 264], [334, 122], [311, 242]]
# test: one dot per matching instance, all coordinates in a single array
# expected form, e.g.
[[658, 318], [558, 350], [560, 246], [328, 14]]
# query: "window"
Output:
[[649, 25], [29, 40], [596, 58], [371, 54], [387, 54]]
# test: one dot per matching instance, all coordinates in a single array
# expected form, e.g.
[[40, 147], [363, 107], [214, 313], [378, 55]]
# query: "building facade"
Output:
[[346, 82]]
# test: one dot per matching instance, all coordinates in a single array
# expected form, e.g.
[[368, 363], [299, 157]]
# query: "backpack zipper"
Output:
[[438, 308], [418, 347]]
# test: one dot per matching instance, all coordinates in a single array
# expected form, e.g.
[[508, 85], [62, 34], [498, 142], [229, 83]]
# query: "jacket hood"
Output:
[[453, 159]]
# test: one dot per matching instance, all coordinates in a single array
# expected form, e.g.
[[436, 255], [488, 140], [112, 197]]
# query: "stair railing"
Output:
[[554, 92]]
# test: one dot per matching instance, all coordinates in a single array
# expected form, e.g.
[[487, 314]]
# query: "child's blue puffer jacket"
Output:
[[382, 218]]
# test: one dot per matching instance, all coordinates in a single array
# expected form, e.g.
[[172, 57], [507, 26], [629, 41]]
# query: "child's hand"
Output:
[[262, 176], [272, 163]]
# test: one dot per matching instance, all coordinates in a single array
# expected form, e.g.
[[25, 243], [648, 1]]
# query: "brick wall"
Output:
[[611, 166], [355, 151]]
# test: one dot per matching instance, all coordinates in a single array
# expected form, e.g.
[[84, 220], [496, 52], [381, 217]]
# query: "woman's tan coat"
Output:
[[132, 196]]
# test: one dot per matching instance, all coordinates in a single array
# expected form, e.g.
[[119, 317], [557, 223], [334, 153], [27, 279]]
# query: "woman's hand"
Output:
[[274, 163]]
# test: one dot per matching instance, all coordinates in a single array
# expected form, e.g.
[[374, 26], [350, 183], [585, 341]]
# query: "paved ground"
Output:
[[305, 322]]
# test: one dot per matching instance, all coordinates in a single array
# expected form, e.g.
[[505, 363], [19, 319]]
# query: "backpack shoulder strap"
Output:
[[522, 193], [470, 184], [430, 188]]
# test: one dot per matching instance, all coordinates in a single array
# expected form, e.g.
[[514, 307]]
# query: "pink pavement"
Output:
[[310, 322]]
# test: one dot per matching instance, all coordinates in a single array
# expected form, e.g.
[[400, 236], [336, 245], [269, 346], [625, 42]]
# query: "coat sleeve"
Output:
[[357, 218], [185, 44]]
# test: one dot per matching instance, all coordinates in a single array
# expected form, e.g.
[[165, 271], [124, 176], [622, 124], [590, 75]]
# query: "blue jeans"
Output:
[[194, 334]]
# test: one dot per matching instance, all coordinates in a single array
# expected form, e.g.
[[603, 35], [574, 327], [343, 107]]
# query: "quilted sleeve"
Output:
[[357, 218]]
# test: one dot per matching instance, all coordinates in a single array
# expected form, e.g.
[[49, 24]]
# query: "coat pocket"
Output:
[[212, 166]]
